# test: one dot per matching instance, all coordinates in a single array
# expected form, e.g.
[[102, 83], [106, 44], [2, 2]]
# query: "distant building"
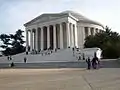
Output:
[[59, 30]]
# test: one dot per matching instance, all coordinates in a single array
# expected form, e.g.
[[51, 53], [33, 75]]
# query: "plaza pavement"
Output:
[[105, 78]]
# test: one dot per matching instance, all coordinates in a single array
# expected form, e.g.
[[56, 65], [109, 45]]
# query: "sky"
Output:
[[14, 13]]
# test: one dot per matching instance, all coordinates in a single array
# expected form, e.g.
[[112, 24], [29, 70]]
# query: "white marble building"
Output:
[[59, 30]]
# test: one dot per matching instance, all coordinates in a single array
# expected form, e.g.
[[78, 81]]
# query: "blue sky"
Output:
[[14, 13]]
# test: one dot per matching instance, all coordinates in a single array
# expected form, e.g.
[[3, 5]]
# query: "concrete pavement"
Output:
[[106, 78]]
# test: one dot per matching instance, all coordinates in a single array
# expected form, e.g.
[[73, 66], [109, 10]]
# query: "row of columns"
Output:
[[91, 31], [71, 33]]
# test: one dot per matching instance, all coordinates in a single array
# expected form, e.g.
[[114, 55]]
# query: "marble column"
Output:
[[42, 39], [61, 36], [48, 37], [82, 28], [54, 36], [89, 32], [27, 40], [31, 40], [68, 33], [72, 37], [99, 30], [76, 36], [36, 39], [94, 32]]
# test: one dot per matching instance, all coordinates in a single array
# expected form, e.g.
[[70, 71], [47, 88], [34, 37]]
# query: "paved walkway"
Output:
[[106, 78]]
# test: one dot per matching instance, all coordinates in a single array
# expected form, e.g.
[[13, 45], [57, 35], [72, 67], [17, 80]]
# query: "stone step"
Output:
[[46, 65]]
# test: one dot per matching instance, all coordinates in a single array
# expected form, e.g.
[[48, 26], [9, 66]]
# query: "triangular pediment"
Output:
[[51, 16], [45, 17]]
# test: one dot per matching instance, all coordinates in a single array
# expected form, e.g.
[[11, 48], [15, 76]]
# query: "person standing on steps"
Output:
[[12, 64], [79, 58], [73, 49], [8, 58]]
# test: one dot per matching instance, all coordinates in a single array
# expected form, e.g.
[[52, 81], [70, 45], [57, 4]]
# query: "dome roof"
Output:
[[81, 17]]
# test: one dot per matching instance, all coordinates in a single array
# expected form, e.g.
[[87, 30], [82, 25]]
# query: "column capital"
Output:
[[48, 26], [51, 24], [67, 22], [41, 27]]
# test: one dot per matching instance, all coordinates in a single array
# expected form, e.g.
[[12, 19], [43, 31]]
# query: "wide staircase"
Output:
[[46, 59]]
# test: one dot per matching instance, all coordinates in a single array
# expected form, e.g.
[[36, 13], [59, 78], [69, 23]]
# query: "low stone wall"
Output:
[[118, 60]]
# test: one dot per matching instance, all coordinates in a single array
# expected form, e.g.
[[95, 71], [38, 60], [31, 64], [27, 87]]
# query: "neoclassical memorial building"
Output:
[[59, 30]]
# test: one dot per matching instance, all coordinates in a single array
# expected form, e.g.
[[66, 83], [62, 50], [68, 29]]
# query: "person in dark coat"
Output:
[[88, 63], [94, 62], [8, 58], [79, 58], [73, 49], [11, 64], [25, 59]]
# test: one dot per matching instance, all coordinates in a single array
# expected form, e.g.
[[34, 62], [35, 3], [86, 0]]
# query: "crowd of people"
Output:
[[43, 52], [34, 52]]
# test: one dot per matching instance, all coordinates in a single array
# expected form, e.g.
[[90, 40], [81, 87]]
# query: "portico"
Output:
[[59, 31], [51, 37]]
